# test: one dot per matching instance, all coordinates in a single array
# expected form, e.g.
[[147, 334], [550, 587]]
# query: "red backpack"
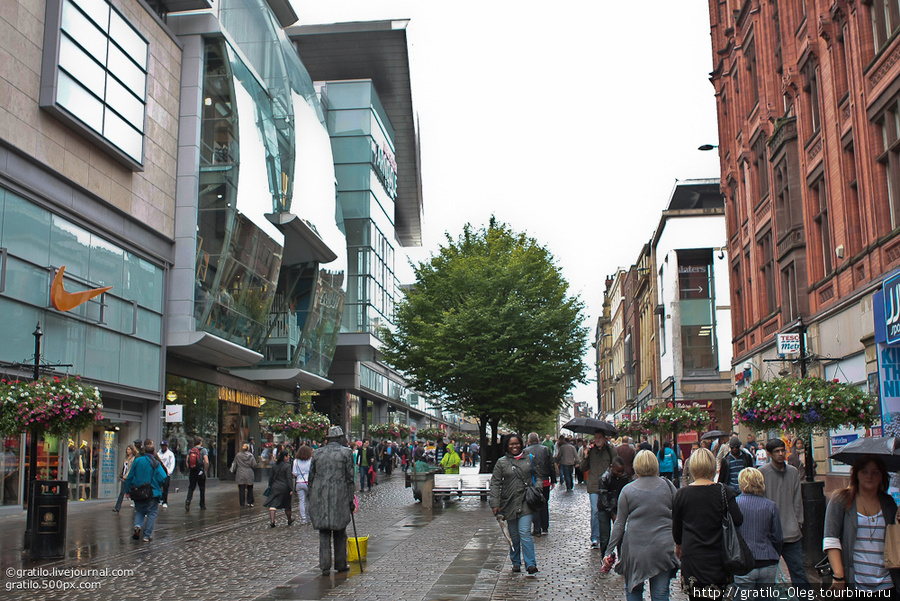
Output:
[[194, 459]]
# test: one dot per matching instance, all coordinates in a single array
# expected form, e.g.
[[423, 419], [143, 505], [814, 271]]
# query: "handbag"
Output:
[[144, 492], [737, 557], [534, 495], [892, 546]]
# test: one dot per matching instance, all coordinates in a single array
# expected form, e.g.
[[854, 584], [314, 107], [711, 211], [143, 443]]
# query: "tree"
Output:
[[489, 329]]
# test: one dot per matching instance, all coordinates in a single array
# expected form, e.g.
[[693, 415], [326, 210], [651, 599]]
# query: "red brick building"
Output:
[[809, 145]]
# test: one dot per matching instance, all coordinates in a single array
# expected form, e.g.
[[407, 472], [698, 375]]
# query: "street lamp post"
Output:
[[32, 444]]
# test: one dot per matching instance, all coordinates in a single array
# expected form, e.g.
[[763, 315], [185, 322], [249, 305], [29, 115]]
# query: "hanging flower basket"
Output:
[[463, 438], [633, 429], [666, 420], [431, 434], [389, 430], [804, 405], [57, 406], [313, 426]]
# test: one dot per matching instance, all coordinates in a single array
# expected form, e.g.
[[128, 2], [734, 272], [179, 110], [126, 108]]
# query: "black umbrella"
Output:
[[715, 434], [887, 448], [589, 425]]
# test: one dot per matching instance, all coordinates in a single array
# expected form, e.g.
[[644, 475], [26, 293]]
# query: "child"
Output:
[[611, 484]]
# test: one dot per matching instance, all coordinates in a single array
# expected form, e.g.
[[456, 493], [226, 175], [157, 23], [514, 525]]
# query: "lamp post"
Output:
[[32, 444]]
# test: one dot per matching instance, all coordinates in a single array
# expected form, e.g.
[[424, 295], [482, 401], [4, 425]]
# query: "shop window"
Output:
[[696, 303]]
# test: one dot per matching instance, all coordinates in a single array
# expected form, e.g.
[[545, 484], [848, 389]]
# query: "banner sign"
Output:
[[891, 290]]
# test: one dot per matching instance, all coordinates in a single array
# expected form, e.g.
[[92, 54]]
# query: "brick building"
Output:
[[809, 145]]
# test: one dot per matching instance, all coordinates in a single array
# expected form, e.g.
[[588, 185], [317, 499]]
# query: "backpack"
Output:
[[194, 459]]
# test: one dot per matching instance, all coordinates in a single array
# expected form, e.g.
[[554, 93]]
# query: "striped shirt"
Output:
[[761, 528], [868, 554]]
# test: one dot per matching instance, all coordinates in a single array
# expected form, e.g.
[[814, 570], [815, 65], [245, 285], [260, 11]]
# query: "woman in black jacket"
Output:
[[281, 487]]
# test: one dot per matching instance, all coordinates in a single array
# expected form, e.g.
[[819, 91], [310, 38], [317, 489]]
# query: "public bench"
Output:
[[446, 485]]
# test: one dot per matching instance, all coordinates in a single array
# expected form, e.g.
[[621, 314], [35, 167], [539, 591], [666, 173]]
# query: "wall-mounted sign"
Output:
[[66, 301], [891, 290], [174, 414], [788, 344], [386, 167], [239, 396]]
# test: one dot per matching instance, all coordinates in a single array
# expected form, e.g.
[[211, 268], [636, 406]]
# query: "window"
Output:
[[767, 299], [696, 305], [855, 227], [761, 166], [752, 74], [819, 198], [840, 60], [789, 293], [812, 110], [783, 213], [885, 20], [889, 160], [737, 310]]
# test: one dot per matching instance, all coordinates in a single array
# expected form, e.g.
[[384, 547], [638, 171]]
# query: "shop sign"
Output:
[[66, 301], [891, 290], [788, 344], [174, 414], [238, 396], [386, 167], [108, 472], [889, 380]]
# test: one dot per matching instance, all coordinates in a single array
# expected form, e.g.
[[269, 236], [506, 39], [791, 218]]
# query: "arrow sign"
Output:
[[698, 290]]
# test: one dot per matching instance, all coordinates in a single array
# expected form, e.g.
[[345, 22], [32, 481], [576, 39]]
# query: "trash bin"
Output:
[[48, 518]]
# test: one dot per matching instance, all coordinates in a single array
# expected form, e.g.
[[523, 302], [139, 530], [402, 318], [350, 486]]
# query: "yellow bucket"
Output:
[[363, 547]]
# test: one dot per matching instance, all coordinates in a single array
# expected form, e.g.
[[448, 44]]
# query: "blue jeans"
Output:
[[600, 526], [145, 515], [363, 477], [659, 589], [567, 471], [121, 495], [757, 578], [793, 557], [523, 544]]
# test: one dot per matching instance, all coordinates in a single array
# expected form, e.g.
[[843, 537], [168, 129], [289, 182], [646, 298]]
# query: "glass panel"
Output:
[[140, 364], [143, 282], [80, 65], [128, 73], [18, 342], [107, 262], [128, 39], [78, 101], [98, 10], [66, 345], [349, 123], [26, 283], [84, 32], [123, 135], [149, 326], [101, 357], [70, 245], [125, 103], [119, 314], [26, 228]]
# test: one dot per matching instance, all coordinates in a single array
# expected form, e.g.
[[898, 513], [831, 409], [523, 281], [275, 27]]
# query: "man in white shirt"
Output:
[[167, 458]]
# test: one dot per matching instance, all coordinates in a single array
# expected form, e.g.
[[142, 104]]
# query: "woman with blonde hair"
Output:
[[243, 468], [761, 530], [302, 461], [644, 527], [131, 454], [697, 528]]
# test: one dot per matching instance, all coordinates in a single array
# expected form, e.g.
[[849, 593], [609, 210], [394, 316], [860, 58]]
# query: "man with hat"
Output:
[[732, 464], [167, 458], [331, 488]]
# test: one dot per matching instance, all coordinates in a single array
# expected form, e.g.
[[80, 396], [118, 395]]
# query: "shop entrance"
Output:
[[234, 431]]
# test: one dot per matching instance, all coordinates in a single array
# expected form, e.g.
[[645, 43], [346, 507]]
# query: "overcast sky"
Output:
[[570, 121]]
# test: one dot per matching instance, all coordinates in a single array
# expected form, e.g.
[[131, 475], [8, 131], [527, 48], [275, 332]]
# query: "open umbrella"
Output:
[[887, 448], [589, 425], [715, 434]]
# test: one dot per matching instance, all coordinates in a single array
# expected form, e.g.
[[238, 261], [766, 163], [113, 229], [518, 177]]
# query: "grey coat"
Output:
[[648, 549], [331, 487], [242, 468], [543, 462], [508, 489]]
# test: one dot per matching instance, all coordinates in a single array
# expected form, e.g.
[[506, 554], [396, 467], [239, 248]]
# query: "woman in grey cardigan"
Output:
[[507, 498], [242, 467], [855, 522], [648, 550]]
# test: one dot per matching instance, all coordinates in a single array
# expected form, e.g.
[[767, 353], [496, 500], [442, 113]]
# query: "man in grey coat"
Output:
[[543, 473], [783, 487], [331, 504]]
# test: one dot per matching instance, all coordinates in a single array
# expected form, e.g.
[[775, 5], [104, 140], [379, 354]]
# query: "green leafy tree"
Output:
[[489, 329]]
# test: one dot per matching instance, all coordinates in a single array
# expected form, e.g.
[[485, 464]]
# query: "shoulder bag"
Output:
[[144, 492], [534, 495], [737, 558]]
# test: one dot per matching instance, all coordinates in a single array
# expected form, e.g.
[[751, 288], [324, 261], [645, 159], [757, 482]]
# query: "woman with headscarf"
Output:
[[451, 460], [281, 487], [507, 498]]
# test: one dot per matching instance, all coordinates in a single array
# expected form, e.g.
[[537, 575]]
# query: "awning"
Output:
[[285, 378], [209, 349], [301, 242]]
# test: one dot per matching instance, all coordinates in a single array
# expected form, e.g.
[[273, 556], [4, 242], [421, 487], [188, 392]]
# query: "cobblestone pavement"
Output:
[[454, 552]]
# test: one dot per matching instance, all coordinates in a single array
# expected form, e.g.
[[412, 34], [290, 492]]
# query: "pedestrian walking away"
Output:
[[281, 487], [565, 456], [146, 469], [300, 470], [761, 531], [697, 529], [783, 487], [595, 459], [331, 502], [644, 527], [243, 467], [167, 458], [543, 468], [507, 498], [626, 452], [855, 523], [198, 466]]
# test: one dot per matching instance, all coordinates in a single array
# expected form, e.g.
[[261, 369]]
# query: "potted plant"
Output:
[[668, 420], [51, 405]]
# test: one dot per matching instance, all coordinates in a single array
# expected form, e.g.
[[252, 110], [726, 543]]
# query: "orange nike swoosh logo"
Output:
[[66, 301], [173, 413]]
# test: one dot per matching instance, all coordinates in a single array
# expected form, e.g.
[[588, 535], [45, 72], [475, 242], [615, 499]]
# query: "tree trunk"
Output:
[[482, 442]]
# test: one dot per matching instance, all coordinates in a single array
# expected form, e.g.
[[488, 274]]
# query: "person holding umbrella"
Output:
[[856, 519], [596, 457]]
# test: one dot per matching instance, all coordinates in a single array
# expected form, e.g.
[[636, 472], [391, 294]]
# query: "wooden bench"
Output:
[[446, 485]]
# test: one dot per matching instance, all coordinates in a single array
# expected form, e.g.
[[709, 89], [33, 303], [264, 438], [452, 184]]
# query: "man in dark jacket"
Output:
[[543, 473], [596, 458], [732, 464], [146, 469], [331, 503]]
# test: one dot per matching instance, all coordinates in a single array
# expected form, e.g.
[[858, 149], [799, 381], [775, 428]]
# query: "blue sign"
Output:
[[891, 290], [842, 440]]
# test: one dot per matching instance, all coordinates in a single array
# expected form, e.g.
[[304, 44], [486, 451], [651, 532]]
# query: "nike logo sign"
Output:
[[173, 413], [66, 301]]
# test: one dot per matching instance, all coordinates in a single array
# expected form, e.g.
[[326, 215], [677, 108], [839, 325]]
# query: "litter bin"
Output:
[[48, 518]]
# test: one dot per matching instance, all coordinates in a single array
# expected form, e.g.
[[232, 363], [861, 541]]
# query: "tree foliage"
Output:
[[489, 328]]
